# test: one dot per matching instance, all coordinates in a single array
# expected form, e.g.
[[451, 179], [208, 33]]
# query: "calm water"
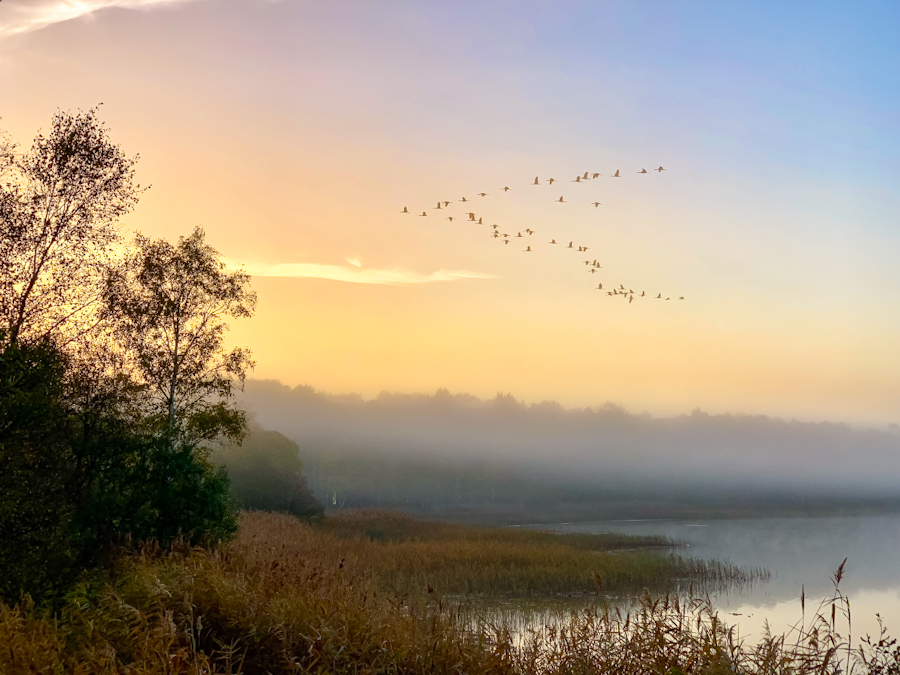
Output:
[[798, 552]]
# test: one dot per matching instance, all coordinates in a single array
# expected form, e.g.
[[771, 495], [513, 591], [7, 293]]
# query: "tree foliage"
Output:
[[76, 480], [59, 205], [267, 474], [170, 306], [35, 514]]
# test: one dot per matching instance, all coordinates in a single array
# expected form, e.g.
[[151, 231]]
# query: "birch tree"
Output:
[[60, 202], [170, 306]]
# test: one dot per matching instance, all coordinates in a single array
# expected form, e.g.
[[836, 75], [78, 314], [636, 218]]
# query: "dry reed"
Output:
[[289, 598]]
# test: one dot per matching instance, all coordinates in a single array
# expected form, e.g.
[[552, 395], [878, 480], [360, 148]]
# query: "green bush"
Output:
[[77, 480], [35, 467]]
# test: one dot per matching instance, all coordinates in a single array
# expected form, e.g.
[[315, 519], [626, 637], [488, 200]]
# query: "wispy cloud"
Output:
[[356, 274], [22, 16]]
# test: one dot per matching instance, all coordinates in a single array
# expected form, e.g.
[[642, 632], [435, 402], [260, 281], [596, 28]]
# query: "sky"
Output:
[[294, 132]]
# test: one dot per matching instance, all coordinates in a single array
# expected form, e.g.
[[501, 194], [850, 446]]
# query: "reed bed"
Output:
[[379, 525], [459, 560], [289, 598]]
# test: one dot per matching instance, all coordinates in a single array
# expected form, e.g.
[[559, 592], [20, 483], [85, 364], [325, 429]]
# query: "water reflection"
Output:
[[799, 552]]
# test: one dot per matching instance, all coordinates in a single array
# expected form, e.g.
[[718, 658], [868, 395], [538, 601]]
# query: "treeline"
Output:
[[115, 382], [499, 459]]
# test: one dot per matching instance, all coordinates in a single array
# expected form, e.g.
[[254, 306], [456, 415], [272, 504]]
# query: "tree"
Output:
[[170, 305], [59, 205], [83, 465], [267, 474]]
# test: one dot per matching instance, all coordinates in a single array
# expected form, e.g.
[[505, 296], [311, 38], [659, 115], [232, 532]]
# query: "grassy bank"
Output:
[[368, 594]]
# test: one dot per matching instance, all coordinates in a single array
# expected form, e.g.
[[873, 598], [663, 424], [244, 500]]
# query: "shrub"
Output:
[[75, 481]]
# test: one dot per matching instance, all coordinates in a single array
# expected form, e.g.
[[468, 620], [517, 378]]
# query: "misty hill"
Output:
[[500, 459]]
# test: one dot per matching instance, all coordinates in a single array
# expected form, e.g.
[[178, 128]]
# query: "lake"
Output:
[[800, 553]]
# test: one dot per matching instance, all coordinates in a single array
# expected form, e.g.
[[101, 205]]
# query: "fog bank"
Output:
[[575, 453]]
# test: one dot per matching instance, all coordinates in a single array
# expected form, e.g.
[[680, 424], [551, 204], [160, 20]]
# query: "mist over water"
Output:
[[795, 498], [640, 465]]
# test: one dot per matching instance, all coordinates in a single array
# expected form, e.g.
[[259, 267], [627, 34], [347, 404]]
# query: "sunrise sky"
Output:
[[294, 131]]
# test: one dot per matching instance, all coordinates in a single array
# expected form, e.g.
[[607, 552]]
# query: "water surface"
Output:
[[800, 553]]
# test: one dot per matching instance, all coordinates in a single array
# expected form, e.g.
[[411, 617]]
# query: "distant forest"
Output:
[[460, 457]]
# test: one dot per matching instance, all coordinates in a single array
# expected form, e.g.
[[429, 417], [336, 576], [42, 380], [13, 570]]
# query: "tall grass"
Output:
[[672, 635], [455, 560], [289, 598]]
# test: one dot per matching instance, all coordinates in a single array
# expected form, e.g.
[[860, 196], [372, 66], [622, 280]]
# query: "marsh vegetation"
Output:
[[348, 595]]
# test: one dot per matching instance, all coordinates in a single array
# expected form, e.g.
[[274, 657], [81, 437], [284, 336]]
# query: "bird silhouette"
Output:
[[593, 270], [446, 204], [642, 294], [577, 179], [616, 174], [681, 297], [585, 176], [422, 214], [595, 175], [519, 234], [551, 181], [643, 171], [553, 241], [561, 200], [528, 249], [463, 199], [471, 216], [438, 205], [482, 194], [599, 287], [530, 232], [660, 169], [535, 181], [596, 204], [584, 248], [630, 299], [570, 246], [506, 241], [507, 189], [450, 218], [405, 210], [658, 297], [479, 222]]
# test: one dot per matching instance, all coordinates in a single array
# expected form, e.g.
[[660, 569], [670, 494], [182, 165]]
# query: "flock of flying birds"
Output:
[[592, 265]]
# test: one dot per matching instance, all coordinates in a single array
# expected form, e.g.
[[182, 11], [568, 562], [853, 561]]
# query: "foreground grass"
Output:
[[288, 598]]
